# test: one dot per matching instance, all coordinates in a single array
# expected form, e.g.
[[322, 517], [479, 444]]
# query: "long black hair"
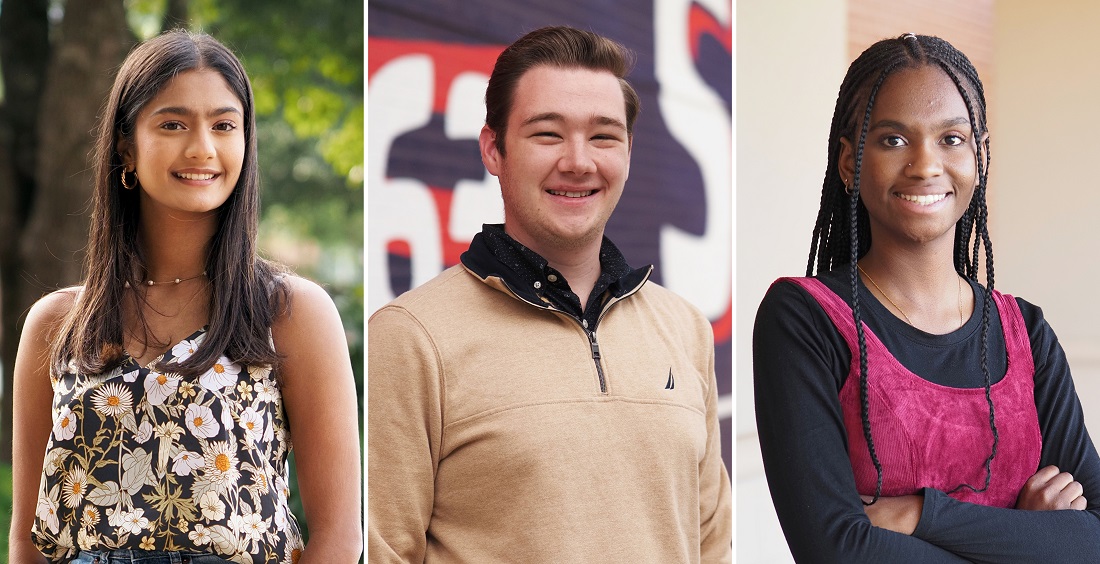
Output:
[[842, 233], [247, 291]]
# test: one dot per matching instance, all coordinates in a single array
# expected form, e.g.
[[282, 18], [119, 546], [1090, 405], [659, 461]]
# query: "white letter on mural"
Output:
[[696, 267], [398, 209]]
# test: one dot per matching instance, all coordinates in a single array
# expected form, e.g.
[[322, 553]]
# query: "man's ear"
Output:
[[846, 162], [490, 155]]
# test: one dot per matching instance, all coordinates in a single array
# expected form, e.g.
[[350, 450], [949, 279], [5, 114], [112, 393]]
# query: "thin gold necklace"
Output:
[[178, 280], [897, 307]]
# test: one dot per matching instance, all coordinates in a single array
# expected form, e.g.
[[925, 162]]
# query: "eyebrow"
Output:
[[555, 116], [891, 124], [182, 111]]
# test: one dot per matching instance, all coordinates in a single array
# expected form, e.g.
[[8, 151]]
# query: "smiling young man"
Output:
[[542, 401]]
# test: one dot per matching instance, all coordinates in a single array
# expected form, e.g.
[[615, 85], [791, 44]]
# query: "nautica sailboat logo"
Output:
[[671, 384]]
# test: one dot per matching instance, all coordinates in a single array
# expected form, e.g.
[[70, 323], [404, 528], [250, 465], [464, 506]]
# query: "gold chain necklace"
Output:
[[897, 307]]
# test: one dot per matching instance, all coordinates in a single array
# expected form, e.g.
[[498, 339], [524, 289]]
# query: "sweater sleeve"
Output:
[[404, 394], [798, 365], [987, 534], [715, 489]]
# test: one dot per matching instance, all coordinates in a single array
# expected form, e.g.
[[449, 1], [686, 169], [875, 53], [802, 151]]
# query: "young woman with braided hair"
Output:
[[907, 412]]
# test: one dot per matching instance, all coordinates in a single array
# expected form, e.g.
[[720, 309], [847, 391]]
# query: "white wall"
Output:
[[1045, 193], [791, 57]]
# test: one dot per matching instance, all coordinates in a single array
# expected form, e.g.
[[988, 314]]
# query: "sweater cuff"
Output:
[[933, 498]]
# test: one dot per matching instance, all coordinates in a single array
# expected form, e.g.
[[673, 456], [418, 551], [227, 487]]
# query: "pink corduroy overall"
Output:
[[928, 435]]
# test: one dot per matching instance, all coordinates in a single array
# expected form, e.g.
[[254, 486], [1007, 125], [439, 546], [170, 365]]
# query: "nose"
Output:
[[200, 145], [576, 157], [926, 161]]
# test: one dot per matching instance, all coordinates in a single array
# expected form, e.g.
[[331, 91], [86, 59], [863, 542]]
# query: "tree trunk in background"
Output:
[[51, 230], [24, 51]]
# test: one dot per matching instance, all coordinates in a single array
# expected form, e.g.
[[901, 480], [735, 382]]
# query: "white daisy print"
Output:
[[200, 421], [252, 423], [75, 486], [221, 465], [222, 375], [159, 387], [186, 348], [113, 400], [133, 522], [212, 507], [64, 426], [89, 517], [185, 462]]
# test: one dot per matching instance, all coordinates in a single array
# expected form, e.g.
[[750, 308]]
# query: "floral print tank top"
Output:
[[140, 459]]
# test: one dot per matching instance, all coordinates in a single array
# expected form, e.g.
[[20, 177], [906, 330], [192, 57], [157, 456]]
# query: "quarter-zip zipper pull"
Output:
[[596, 358]]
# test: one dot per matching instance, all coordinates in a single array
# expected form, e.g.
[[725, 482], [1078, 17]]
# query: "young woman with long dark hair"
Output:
[[908, 412], [155, 404]]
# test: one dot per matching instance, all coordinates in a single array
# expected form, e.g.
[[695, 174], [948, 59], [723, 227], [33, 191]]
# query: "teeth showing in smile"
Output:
[[189, 176], [923, 200], [572, 194]]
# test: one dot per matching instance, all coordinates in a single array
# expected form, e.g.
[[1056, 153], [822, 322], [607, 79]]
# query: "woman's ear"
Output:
[[126, 150], [846, 162]]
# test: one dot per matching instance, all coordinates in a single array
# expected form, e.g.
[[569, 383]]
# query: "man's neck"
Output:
[[580, 265], [580, 273]]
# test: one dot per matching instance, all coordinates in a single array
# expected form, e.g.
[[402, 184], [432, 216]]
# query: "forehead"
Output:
[[197, 89], [574, 92], [919, 94]]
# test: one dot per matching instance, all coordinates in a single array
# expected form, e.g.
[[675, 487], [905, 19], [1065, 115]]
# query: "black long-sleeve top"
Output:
[[800, 363]]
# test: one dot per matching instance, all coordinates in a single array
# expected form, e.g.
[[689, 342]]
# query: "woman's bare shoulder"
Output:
[[306, 294], [52, 308]]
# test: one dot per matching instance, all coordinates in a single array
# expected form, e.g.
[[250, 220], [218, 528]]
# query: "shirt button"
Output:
[[552, 278], [584, 323], [538, 284]]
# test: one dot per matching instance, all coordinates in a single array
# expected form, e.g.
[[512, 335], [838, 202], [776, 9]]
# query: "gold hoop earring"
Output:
[[124, 184]]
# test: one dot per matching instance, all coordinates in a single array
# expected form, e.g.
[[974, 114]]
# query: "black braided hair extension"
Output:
[[842, 233], [983, 238]]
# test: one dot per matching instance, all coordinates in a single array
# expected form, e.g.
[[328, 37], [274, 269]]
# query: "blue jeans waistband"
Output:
[[145, 557]]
